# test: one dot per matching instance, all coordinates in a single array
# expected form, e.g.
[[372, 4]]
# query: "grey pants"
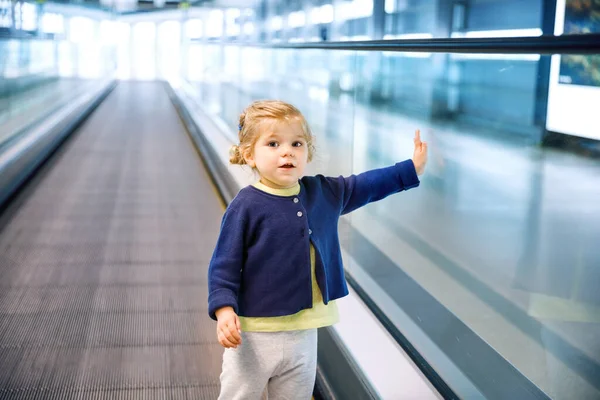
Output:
[[273, 365]]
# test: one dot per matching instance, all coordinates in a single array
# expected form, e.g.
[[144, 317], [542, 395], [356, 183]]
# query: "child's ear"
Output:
[[249, 157]]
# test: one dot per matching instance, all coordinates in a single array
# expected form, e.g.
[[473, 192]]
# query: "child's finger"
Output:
[[225, 332], [238, 327], [237, 323], [417, 138], [225, 342], [234, 334], [231, 337]]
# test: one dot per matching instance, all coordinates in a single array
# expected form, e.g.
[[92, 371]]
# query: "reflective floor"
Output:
[[503, 234]]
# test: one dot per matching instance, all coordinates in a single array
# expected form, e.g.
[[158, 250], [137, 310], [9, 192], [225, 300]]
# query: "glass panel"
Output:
[[501, 230], [497, 247], [38, 76], [337, 20]]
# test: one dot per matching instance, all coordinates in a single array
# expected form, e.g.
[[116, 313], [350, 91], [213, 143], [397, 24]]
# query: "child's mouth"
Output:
[[287, 166]]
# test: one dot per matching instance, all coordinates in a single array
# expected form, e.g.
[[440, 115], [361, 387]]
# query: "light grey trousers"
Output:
[[272, 365]]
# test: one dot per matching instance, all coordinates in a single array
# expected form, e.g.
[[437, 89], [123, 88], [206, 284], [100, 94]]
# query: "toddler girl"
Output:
[[276, 270]]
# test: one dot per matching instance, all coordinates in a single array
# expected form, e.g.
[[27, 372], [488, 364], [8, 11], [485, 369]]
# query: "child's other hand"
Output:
[[420, 154], [228, 328]]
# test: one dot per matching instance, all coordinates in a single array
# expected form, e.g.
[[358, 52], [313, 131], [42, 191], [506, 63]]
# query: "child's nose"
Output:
[[287, 150]]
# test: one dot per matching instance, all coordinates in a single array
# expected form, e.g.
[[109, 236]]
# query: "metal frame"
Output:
[[565, 44]]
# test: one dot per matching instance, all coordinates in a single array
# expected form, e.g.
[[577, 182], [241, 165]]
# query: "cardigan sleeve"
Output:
[[224, 271], [356, 191]]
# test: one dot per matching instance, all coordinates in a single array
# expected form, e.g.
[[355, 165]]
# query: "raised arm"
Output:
[[356, 191]]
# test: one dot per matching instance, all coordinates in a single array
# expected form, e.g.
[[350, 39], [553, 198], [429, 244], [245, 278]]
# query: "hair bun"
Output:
[[235, 155]]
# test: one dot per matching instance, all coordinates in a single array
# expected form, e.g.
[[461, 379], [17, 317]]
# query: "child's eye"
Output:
[[297, 144], [272, 144]]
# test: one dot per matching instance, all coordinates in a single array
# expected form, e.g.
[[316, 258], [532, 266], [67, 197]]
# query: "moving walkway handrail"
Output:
[[547, 44]]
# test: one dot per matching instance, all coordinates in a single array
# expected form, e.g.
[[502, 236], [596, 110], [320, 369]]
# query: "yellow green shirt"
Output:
[[318, 316]]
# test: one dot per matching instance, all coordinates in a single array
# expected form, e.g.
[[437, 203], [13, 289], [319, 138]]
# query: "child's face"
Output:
[[280, 154]]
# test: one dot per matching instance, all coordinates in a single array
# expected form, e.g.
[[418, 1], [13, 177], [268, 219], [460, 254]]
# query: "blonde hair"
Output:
[[256, 114]]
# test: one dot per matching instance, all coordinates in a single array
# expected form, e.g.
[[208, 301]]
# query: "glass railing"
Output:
[[39, 76], [489, 269]]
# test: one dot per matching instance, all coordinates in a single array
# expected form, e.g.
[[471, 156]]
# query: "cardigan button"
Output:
[[310, 232], [299, 213], [295, 200]]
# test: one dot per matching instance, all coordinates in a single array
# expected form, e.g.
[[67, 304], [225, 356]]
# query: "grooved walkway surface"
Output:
[[103, 262]]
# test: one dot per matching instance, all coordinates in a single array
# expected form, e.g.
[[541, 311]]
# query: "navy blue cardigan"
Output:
[[261, 262]]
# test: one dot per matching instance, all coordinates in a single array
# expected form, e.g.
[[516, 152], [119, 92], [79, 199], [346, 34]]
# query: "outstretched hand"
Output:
[[420, 154]]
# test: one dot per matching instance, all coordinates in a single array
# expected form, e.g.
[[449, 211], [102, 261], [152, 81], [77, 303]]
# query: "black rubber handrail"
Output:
[[565, 44]]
